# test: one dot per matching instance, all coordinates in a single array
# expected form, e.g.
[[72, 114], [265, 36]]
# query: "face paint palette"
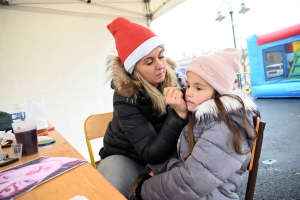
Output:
[[45, 140]]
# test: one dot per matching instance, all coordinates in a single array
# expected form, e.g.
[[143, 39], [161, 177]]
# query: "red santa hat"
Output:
[[133, 41]]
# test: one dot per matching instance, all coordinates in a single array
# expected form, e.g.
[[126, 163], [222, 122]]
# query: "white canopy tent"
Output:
[[56, 50], [147, 9]]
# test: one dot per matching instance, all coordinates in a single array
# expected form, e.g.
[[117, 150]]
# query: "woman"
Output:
[[143, 129]]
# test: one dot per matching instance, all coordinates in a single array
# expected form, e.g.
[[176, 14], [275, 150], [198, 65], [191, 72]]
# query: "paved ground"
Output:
[[280, 180]]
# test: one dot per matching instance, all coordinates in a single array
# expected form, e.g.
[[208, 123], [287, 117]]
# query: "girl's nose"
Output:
[[188, 92]]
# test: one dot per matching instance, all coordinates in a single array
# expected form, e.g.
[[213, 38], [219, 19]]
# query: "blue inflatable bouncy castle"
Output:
[[274, 60]]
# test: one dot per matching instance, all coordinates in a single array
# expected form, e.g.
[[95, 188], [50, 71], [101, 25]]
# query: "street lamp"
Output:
[[220, 17]]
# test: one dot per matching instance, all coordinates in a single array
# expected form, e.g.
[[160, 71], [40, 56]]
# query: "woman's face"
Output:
[[153, 66]]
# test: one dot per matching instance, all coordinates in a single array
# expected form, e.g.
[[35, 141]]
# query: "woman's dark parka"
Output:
[[138, 131]]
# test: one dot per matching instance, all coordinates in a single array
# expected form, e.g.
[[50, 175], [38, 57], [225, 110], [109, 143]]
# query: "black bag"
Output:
[[5, 121]]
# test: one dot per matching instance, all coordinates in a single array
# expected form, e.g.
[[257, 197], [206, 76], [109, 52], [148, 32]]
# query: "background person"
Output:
[[214, 149], [144, 129]]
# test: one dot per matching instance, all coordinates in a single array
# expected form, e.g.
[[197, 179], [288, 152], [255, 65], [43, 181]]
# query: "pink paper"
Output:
[[23, 178]]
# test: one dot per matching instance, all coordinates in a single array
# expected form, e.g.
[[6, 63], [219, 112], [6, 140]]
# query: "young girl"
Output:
[[214, 148]]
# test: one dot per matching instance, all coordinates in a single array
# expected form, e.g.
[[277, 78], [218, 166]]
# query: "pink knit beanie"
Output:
[[218, 69]]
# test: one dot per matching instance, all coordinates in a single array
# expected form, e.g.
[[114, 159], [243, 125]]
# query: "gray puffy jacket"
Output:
[[213, 170]]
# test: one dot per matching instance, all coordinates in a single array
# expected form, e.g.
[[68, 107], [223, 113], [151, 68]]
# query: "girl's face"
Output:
[[153, 66], [198, 91]]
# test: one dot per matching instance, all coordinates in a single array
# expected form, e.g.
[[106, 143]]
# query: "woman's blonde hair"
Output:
[[155, 94]]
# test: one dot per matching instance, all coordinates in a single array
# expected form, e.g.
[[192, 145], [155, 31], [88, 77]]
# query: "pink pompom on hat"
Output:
[[219, 69], [133, 41]]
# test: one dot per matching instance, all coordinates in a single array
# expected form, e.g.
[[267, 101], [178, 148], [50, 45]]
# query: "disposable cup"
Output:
[[29, 141], [26, 134], [16, 151]]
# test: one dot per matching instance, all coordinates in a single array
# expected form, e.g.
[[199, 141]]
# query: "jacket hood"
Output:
[[208, 111], [122, 81]]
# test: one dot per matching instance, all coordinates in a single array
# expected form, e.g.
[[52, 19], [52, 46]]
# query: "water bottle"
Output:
[[17, 113]]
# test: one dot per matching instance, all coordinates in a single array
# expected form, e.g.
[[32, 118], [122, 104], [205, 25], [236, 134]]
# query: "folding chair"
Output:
[[254, 162], [95, 127]]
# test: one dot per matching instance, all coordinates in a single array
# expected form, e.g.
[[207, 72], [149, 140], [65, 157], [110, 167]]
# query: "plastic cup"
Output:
[[29, 141], [16, 151], [26, 134]]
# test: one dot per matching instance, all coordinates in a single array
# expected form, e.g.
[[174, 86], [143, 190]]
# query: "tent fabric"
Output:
[[125, 8]]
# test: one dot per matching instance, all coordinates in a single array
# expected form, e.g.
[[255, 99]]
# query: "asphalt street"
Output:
[[280, 180]]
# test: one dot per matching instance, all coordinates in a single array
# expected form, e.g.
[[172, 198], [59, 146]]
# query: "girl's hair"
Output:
[[155, 94], [222, 111]]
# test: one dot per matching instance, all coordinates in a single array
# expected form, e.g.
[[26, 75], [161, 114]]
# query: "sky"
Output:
[[190, 27]]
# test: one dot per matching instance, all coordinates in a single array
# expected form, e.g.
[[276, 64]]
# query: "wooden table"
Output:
[[83, 180]]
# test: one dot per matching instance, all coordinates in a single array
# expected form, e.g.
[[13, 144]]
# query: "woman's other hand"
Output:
[[151, 173], [174, 97]]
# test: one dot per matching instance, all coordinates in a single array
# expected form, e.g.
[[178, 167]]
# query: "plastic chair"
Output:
[[95, 127], [254, 162]]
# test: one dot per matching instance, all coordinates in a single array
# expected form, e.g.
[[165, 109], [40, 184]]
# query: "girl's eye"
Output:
[[199, 88], [187, 86], [161, 56]]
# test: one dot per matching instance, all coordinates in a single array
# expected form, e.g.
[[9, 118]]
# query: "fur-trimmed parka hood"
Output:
[[208, 111], [122, 82]]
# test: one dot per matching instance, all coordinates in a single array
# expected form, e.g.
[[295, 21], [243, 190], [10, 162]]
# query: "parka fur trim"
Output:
[[123, 83], [208, 111]]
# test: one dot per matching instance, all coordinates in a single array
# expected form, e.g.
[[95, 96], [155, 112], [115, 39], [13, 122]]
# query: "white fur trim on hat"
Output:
[[144, 49]]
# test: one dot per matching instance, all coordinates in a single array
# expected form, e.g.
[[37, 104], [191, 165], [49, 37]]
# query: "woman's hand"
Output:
[[174, 97], [151, 173]]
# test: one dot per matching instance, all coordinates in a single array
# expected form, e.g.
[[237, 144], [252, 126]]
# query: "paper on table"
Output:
[[77, 197], [4, 136], [35, 172]]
